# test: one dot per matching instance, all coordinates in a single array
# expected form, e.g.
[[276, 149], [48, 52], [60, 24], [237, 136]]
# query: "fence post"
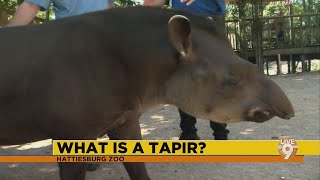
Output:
[[279, 65], [293, 64], [303, 63]]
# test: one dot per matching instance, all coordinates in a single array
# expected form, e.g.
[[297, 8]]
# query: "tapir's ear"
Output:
[[180, 33]]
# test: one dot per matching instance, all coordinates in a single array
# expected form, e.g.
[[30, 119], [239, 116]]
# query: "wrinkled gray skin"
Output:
[[84, 76]]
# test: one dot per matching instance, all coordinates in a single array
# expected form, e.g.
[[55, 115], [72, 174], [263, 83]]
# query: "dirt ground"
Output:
[[163, 123]]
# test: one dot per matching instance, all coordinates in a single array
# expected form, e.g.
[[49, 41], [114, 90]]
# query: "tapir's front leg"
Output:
[[130, 130]]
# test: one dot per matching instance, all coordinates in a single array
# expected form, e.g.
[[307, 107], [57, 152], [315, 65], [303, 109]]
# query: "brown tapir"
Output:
[[83, 76]]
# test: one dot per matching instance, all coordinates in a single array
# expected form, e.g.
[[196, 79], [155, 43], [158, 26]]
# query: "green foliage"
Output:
[[232, 11], [315, 66], [126, 3], [8, 5]]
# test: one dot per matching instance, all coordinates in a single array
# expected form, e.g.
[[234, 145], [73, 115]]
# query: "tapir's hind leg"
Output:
[[130, 130], [73, 171]]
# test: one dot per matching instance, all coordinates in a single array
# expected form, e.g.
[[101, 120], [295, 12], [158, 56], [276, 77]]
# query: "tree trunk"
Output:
[[257, 31], [3, 18], [308, 24], [242, 26]]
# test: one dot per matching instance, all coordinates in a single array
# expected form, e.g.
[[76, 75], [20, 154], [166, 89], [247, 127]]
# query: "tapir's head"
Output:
[[212, 82]]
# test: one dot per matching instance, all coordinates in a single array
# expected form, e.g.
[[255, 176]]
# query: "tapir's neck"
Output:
[[150, 66], [148, 58]]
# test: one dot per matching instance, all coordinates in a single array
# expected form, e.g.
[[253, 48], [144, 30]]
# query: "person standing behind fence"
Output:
[[277, 25], [204, 8], [28, 9]]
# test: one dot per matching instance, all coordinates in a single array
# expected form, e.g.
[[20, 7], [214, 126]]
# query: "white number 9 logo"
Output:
[[287, 149]]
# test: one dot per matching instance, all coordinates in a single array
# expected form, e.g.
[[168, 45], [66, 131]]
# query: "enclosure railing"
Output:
[[298, 31]]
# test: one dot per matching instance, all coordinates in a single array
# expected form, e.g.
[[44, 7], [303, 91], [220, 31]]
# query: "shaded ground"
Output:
[[163, 123]]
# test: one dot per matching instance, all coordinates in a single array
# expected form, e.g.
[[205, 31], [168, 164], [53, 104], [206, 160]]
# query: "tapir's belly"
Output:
[[17, 132], [21, 129]]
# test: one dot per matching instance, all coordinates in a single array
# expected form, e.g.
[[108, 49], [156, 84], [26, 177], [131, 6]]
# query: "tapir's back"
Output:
[[90, 67]]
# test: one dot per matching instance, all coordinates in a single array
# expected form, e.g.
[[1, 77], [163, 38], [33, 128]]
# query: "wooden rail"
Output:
[[294, 36]]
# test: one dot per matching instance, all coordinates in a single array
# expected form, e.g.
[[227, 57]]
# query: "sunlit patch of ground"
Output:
[[37, 144], [33, 145], [315, 66], [247, 131]]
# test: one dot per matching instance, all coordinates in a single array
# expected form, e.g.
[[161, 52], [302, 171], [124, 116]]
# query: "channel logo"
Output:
[[287, 147]]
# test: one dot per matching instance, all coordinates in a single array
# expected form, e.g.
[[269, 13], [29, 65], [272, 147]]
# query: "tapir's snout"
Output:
[[264, 99], [275, 103], [278, 101]]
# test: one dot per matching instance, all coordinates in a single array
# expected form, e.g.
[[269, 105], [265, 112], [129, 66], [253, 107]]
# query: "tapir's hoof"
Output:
[[93, 166]]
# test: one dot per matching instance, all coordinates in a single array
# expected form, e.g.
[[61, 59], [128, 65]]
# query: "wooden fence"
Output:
[[300, 38], [299, 41], [299, 31]]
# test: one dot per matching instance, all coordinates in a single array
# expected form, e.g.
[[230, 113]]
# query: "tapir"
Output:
[[85, 76]]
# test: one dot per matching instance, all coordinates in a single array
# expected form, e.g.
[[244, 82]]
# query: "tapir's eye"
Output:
[[231, 82]]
